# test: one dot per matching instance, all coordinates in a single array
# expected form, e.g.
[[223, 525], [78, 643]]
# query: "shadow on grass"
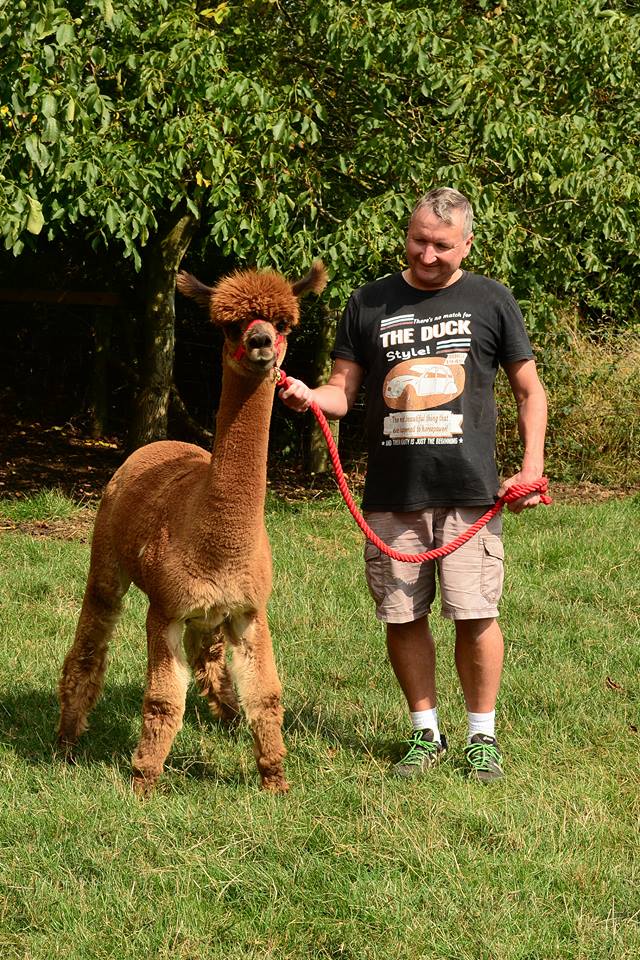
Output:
[[29, 721], [312, 720]]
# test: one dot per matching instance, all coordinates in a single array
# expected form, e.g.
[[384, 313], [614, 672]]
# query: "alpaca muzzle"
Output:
[[259, 346]]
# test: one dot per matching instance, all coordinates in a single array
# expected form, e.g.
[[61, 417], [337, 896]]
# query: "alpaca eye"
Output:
[[282, 326], [234, 330]]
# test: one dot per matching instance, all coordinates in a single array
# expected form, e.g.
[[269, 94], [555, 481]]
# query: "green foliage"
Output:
[[296, 129], [593, 389]]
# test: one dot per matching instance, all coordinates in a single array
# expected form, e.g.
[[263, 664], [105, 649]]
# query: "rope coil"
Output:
[[514, 492]]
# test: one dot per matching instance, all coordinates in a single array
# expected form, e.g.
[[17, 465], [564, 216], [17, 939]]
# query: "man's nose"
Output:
[[429, 252]]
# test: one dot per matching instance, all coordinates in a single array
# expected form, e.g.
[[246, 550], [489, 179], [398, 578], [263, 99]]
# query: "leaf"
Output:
[[98, 56], [65, 34], [111, 217], [35, 220], [278, 128], [51, 132], [37, 152], [49, 105]]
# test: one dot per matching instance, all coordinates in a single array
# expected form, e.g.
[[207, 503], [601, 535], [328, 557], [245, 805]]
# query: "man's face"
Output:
[[435, 250]]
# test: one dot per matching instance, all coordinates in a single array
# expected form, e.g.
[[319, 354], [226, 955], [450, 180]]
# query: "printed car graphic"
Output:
[[430, 380]]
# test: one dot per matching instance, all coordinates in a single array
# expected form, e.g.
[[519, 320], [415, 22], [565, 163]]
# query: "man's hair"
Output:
[[442, 202]]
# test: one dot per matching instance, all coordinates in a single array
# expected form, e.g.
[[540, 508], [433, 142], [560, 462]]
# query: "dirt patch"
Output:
[[586, 492], [78, 527], [37, 455]]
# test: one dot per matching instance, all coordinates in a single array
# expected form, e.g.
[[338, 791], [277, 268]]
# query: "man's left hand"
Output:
[[529, 500]]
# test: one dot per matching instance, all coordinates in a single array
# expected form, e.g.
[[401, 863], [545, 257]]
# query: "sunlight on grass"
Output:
[[351, 864], [47, 504]]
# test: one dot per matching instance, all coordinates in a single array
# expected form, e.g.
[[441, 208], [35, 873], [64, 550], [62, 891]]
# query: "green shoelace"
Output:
[[482, 755], [417, 749]]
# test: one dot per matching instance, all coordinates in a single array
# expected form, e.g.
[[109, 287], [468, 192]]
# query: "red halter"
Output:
[[241, 349]]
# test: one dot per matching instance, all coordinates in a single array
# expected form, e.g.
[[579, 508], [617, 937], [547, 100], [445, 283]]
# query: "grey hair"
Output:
[[442, 202]]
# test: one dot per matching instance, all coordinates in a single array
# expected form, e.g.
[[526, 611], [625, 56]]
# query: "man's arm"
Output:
[[334, 398], [532, 424]]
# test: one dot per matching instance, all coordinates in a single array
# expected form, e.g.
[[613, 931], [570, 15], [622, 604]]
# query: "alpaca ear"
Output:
[[314, 282], [189, 286]]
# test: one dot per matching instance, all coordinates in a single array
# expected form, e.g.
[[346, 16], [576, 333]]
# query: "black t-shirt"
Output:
[[430, 361]]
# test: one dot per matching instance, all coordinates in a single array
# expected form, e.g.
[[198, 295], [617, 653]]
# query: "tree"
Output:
[[287, 130]]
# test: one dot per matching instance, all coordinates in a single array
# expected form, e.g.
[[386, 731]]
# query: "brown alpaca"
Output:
[[187, 527]]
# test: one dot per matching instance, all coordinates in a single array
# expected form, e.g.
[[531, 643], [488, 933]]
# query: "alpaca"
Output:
[[187, 527]]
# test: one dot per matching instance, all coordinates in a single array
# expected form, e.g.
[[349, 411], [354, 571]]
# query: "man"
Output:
[[427, 343]]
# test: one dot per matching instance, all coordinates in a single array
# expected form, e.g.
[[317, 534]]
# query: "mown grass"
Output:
[[351, 864]]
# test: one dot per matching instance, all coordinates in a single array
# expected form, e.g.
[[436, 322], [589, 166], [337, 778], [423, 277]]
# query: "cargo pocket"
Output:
[[492, 576], [373, 568]]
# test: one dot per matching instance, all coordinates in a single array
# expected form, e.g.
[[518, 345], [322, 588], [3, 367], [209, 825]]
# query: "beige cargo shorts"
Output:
[[470, 578]]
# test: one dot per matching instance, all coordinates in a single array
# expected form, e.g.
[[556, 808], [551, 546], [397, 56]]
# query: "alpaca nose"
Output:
[[258, 340]]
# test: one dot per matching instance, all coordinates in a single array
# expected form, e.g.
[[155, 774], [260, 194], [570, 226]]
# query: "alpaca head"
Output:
[[256, 311]]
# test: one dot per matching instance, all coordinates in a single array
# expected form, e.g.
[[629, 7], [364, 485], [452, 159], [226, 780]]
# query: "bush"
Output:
[[593, 386]]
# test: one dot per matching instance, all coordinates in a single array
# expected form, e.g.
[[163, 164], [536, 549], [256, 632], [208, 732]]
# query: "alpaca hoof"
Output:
[[66, 750], [230, 718], [68, 756], [275, 784], [225, 713], [143, 787]]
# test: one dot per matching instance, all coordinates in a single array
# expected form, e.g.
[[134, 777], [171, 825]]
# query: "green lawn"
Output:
[[351, 864]]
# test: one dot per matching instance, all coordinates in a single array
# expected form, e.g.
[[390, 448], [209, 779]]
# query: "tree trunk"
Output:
[[317, 456], [151, 410], [99, 386]]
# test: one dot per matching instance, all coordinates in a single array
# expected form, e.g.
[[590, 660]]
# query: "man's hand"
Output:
[[522, 503], [296, 395], [334, 398]]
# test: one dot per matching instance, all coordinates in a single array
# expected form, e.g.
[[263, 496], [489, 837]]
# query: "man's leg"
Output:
[[412, 655], [403, 593], [413, 658], [479, 656]]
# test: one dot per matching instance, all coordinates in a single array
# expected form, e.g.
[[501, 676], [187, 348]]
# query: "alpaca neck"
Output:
[[236, 486]]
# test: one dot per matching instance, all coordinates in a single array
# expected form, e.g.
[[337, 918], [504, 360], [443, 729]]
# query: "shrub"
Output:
[[593, 386]]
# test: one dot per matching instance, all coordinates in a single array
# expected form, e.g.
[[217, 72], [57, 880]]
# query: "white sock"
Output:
[[426, 720], [481, 723]]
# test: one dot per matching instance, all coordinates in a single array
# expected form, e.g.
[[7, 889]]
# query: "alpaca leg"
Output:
[[256, 677], [85, 663], [164, 699], [206, 653]]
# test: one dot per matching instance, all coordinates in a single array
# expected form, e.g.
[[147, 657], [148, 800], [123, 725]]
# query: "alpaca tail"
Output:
[[314, 282]]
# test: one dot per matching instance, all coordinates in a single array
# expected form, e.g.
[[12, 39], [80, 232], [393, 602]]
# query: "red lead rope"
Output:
[[513, 493]]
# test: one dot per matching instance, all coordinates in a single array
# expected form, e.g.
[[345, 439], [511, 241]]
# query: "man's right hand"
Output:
[[296, 395]]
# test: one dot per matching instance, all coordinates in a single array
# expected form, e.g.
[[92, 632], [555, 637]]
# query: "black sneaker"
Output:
[[423, 753], [483, 755]]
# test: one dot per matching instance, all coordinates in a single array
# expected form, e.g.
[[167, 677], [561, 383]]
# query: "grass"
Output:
[[48, 504], [351, 864]]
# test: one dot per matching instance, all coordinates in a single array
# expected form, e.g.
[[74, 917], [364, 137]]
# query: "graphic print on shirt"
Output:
[[421, 388]]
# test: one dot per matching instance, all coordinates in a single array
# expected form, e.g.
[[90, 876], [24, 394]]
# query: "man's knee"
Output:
[[471, 631]]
